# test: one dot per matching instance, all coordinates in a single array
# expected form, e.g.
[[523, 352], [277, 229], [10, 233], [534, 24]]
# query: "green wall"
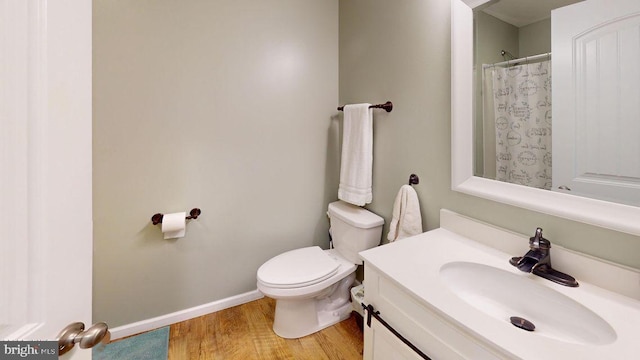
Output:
[[228, 106]]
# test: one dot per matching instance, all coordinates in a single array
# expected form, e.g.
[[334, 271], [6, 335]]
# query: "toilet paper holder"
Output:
[[193, 214]]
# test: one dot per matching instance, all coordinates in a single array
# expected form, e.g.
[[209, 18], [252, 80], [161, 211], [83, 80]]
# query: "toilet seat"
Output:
[[298, 268]]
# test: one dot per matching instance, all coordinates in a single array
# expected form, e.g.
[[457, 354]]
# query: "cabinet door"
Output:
[[382, 344]]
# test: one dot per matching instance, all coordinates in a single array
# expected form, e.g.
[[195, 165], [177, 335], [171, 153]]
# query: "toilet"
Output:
[[310, 285]]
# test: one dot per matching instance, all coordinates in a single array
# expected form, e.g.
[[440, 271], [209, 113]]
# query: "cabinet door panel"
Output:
[[384, 345]]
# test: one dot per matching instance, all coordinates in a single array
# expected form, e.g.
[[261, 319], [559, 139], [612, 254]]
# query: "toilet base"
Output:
[[301, 317]]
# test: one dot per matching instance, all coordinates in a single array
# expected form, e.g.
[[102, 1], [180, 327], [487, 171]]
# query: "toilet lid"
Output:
[[298, 268]]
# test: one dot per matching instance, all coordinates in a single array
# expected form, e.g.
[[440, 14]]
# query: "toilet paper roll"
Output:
[[174, 225]]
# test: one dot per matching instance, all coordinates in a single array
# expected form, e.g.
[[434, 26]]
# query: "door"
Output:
[[596, 106], [45, 168]]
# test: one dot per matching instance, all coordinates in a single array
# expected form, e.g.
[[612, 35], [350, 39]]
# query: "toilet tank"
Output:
[[353, 229]]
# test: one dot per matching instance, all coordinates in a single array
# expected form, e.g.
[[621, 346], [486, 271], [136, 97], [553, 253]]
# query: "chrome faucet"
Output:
[[538, 261]]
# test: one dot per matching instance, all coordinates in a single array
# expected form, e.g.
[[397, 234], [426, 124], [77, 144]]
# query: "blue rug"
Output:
[[152, 345]]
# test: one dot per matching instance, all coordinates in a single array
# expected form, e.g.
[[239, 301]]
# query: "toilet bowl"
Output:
[[310, 285], [308, 299]]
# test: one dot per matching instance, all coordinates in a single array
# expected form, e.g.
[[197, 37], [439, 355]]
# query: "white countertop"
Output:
[[414, 263]]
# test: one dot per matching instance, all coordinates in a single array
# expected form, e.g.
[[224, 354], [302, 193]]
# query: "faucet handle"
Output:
[[538, 242]]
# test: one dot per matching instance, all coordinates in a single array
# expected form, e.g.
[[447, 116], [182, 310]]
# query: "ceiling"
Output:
[[524, 12]]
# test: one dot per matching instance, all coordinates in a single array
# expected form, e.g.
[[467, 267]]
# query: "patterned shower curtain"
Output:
[[522, 106]]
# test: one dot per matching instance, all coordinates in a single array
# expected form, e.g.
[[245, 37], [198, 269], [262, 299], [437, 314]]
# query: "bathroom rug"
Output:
[[152, 345]]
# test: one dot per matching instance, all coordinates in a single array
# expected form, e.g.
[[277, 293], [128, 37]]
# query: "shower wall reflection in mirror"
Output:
[[516, 122]]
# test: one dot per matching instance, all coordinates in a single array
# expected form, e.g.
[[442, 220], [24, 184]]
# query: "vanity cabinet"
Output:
[[451, 292], [423, 326]]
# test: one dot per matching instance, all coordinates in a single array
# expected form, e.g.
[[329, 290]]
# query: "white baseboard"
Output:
[[182, 315]]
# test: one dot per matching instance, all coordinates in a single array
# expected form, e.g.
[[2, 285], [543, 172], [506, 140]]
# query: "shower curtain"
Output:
[[522, 113]]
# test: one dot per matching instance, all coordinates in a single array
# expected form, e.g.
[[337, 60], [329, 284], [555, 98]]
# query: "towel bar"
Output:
[[388, 106], [371, 312]]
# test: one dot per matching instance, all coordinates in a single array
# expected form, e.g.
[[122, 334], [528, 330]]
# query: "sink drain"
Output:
[[522, 323]]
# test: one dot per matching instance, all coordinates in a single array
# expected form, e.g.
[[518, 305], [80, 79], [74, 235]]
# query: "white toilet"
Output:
[[311, 285]]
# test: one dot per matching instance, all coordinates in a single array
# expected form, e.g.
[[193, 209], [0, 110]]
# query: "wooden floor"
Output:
[[244, 332]]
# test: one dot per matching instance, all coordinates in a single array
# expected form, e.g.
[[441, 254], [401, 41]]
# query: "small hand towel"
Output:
[[406, 220], [357, 155]]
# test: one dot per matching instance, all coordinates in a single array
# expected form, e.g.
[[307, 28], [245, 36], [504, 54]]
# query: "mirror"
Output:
[[513, 107], [514, 100], [615, 216]]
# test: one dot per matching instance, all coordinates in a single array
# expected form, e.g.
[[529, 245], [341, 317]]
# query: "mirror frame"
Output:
[[618, 217]]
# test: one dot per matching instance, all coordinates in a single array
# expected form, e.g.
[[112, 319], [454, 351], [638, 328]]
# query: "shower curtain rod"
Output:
[[514, 61]]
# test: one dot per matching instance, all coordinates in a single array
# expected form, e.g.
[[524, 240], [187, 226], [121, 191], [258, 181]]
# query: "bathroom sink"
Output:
[[503, 295]]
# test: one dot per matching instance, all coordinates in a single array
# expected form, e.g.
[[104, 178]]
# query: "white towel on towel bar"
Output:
[[406, 220], [357, 155]]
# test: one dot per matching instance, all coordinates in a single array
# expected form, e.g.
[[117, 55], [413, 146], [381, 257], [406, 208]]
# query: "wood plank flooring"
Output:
[[244, 332]]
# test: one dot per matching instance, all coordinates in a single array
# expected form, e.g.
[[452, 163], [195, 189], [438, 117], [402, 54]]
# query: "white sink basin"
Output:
[[502, 294]]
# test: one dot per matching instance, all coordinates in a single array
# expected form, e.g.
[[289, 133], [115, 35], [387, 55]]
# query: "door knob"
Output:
[[75, 333]]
